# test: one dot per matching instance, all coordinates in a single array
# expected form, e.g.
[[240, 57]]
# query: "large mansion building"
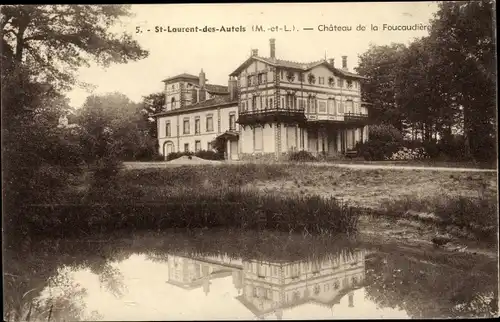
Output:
[[269, 107]]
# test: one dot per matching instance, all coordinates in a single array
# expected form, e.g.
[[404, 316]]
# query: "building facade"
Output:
[[269, 108]]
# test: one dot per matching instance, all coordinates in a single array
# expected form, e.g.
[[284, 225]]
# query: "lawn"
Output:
[[373, 188]]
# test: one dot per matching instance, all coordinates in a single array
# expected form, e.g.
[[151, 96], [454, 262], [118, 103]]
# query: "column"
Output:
[[339, 140], [306, 139]]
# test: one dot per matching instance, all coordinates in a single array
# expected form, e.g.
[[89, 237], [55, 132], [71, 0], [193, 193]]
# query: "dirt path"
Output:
[[402, 167], [160, 164]]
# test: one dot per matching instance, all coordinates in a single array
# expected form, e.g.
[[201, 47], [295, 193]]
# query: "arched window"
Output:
[[172, 102]]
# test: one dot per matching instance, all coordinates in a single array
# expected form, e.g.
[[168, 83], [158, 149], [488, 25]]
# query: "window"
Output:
[[197, 126], [302, 104], [254, 103], [341, 82], [301, 77], [210, 123], [249, 80], [173, 87], [186, 126], [232, 122], [282, 102], [331, 107], [349, 107], [322, 107], [312, 105], [209, 146], [321, 80], [341, 108], [197, 146], [260, 78], [172, 102], [349, 84], [271, 103], [167, 129], [186, 147], [282, 74]]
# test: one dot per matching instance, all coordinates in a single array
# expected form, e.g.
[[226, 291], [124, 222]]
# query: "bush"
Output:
[[408, 154], [384, 140], [385, 133], [301, 156], [376, 150], [207, 155], [175, 155], [453, 147]]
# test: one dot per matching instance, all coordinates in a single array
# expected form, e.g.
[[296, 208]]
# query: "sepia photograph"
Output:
[[243, 161]]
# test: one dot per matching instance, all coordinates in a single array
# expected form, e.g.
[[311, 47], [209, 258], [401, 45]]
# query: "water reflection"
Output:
[[150, 283]]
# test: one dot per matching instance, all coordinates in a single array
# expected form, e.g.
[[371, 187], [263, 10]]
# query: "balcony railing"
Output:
[[271, 115], [355, 116]]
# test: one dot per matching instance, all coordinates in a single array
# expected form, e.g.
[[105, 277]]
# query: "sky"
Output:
[[220, 53]]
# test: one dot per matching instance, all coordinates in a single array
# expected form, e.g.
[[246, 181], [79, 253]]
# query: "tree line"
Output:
[[441, 87]]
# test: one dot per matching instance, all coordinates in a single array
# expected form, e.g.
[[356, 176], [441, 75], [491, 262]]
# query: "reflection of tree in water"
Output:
[[57, 298], [112, 279], [26, 276], [424, 290]]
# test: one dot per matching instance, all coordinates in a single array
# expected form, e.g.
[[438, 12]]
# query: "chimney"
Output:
[[255, 52], [202, 91], [344, 62], [332, 62], [272, 47], [233, 88], [202, 78]]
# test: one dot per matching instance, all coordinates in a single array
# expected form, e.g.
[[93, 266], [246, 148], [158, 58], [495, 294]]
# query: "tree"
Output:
[[463, 39], [380, 64], [442, 83], [42, 47], [151, 105], [115, 127], [55, 40]]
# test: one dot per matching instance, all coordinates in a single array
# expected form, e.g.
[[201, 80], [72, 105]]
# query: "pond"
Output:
[[234, 275]]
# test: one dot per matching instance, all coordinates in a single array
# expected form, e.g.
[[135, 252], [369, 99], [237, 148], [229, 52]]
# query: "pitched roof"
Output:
[[216, 88], [212, 102], [294, 65], [183, 75]]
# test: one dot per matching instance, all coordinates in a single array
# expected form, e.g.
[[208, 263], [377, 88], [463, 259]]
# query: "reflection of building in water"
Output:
[[268, 288], [189, 273], [272, 287]]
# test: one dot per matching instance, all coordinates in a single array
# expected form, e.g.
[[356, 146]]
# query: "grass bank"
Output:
[[185, 197], [283, 197], [468, 217]]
